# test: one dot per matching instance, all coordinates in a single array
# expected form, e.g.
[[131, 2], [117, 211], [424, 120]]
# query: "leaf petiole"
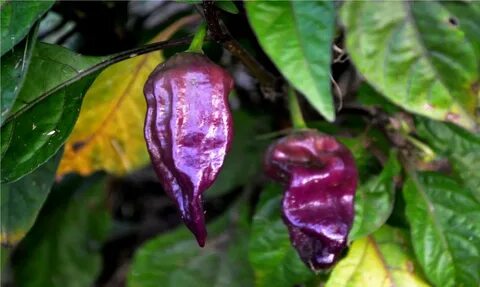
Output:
[[295, 111]]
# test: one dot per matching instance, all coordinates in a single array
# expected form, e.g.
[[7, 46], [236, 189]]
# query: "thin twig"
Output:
[[338, 92], [269, 83], [342, 55], [101, 65], [338, 49]]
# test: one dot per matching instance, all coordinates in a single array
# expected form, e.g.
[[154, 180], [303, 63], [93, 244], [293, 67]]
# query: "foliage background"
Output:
[[397, 82]]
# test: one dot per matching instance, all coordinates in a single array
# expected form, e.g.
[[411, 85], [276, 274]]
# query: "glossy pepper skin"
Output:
[[188, 130], [318, 204]]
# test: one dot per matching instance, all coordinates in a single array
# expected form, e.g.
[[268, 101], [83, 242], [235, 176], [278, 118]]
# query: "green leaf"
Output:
[[275, 261], [468, 20], [366, 163], [445, 229], [297, 36], [416, 57], [21, 201], [227, 6], [63, 247], [381, 259], [45, 111], [461, 147], [368, 96], [4, 261], [243, 161], [374, 200], [16, 18], [14, 67], [175, 259]]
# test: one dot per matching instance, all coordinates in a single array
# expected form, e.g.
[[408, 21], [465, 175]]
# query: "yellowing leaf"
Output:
[[109, 132], [379, 260]]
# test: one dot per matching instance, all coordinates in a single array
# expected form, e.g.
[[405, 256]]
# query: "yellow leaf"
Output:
[[109, 132], [379, 260]]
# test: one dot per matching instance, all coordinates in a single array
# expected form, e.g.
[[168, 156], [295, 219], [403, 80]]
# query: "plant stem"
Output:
[[197, 41], [271, 135], [429, 154], [295, 111], [268, 81], [107, 61]]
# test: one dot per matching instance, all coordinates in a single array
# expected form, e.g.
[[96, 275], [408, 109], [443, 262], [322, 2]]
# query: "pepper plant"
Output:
[[317, 143]]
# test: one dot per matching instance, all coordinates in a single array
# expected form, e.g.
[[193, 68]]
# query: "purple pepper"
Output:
[[318, 204], [188, 130]]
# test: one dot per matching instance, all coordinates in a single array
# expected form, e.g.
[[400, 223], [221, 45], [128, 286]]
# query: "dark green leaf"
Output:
[[20, 201], [367, 164], [175, 259], [275, 261], [461, 147], [243, 161], [367, 96], [297, 36], [16, 18], [445, 229], [374, 200], [14, 67], [4, 261], [227, 6], [63, 247], [416, 57], [44, 114]]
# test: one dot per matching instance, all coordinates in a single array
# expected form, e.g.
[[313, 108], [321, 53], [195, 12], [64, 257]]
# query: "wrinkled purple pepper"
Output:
[[318, 204], [188, 130]]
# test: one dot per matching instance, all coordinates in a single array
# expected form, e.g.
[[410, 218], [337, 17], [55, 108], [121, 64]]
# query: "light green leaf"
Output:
[[418, 57], [468, 20], [63, 247], [20, 201], [378, 260], [374, 200], [14, 67], [275, 261], [45, 111], [16, 19], [445, 229], [297, 36], [175, 259], [461, 147]]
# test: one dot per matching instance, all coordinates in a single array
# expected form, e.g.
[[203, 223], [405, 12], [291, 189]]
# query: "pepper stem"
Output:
[[197, 41], [295, 111], [428, 153]]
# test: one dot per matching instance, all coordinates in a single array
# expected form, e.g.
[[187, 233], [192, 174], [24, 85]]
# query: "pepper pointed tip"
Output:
[[195, 221], [200, 232], [201, 241]]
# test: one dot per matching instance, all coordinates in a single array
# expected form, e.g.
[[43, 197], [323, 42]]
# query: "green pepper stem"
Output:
[[428, 153], [197, 41], [295, 111]]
